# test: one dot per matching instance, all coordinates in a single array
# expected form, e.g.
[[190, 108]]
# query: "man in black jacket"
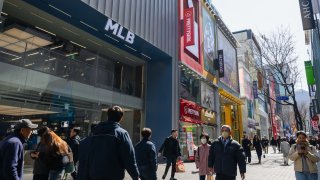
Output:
[[146, 156], [171, 150], [246, 144], [74, 142], [108, 151], [225, 153]]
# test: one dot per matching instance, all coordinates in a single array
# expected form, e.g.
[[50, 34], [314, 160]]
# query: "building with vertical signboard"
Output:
[[255, 116]]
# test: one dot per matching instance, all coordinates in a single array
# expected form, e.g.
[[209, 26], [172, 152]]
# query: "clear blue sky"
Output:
[[264, 16]]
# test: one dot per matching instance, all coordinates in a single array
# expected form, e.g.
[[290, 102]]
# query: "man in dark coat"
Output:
[[74, 142], [171, 150], [146, 156], [246, 144], [108, 151], [11, 150], [292, 141], [225, 153]]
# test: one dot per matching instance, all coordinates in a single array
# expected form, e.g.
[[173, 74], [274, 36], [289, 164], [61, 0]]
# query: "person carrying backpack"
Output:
[[108, 151]]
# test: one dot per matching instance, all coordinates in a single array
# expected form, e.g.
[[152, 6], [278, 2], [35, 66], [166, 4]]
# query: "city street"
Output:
[[272, 168]]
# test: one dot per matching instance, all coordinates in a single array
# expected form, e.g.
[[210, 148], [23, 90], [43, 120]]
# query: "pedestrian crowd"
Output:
[[108, 152]]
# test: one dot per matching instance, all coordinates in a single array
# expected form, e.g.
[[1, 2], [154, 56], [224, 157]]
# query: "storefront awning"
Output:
[[230, 97]]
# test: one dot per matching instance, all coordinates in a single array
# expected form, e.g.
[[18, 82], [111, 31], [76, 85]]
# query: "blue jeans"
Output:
[[55, 174], [306, 176]]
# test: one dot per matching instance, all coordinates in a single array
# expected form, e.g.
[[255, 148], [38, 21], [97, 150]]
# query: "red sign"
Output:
[[188, 27], [190, 112]]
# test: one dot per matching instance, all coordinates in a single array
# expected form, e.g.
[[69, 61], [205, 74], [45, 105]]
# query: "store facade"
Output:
[[229, 90], [197, 87], [62, 67]]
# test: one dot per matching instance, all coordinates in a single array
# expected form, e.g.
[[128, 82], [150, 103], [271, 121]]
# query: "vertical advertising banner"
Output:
[[255, 89], [221, 63], [188, 27], [309, 72], [209, 43], [307, 14]]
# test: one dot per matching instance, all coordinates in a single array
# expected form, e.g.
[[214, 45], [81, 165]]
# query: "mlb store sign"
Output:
[[119, 31]]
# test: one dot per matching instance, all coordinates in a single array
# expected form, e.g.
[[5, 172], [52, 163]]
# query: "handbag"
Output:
[[180, 168], [69, 165]]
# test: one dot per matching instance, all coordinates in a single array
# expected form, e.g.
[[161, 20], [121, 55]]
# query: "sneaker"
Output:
[[164, 176], [173, 179]]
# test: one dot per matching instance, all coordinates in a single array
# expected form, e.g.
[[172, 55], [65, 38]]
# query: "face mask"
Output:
[[225, 134], [203, 141]]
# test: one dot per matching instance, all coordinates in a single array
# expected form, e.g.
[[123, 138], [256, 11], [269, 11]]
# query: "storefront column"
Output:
[[228, 119], [240, 121]]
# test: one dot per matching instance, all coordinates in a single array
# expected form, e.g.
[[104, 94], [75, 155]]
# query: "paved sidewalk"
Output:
[[272, 168]]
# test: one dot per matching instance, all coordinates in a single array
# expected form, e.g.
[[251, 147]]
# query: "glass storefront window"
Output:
[[190, 87], [51, 81]]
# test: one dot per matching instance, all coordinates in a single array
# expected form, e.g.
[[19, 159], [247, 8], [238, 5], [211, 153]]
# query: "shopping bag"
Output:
[[210, 177], [180, 168]]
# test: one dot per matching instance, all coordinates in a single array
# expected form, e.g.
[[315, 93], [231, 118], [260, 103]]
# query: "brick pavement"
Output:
[[272, 168]]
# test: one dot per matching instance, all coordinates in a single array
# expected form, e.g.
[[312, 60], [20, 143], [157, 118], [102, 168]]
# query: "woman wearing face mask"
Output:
[[201, 157], [304, 156]]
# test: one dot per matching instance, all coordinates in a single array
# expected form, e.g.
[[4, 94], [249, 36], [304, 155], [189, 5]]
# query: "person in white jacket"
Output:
[[285, 147]]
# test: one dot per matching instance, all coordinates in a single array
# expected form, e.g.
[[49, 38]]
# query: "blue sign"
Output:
[[255, 89], [283, 98]]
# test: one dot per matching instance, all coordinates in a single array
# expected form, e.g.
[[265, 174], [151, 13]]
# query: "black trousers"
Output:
[[40, 177], [225, 177], [171, 161]]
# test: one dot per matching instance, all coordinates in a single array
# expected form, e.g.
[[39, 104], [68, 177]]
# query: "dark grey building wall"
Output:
[[154, 20]]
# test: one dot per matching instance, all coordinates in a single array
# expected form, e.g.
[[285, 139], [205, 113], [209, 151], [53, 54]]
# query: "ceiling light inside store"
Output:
[[90, 59], [56, 47], [78, 44], [51, 59], [18, 111], [32, 54], [4, 13], [9, 54], [45, 31], [20, 41], [27, 65], [71, 54], [14, 59]]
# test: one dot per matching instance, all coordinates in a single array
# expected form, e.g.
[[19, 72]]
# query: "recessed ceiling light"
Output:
[[45, 31], [15, 58], [78, 44], [56, 47], [90, 59], [71, 54], [32, 54]]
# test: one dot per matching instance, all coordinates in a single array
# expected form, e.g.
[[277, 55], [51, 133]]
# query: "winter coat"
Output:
[[11, 157], [170, 148], [265, 143], [74, 143], [311, 159], [224, 159], [54, 160], [257, 145], [146, 156], [39, 166], [201, 159], [246, 144], [107, 153], [285, 148], [273, 142]]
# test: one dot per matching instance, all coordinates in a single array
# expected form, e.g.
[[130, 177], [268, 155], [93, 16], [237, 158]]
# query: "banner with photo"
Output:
[[209, 41], [230, 62], [207, 96]]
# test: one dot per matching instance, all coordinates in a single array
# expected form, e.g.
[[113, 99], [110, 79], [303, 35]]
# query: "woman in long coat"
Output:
[[201, 157], [257, 145]]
